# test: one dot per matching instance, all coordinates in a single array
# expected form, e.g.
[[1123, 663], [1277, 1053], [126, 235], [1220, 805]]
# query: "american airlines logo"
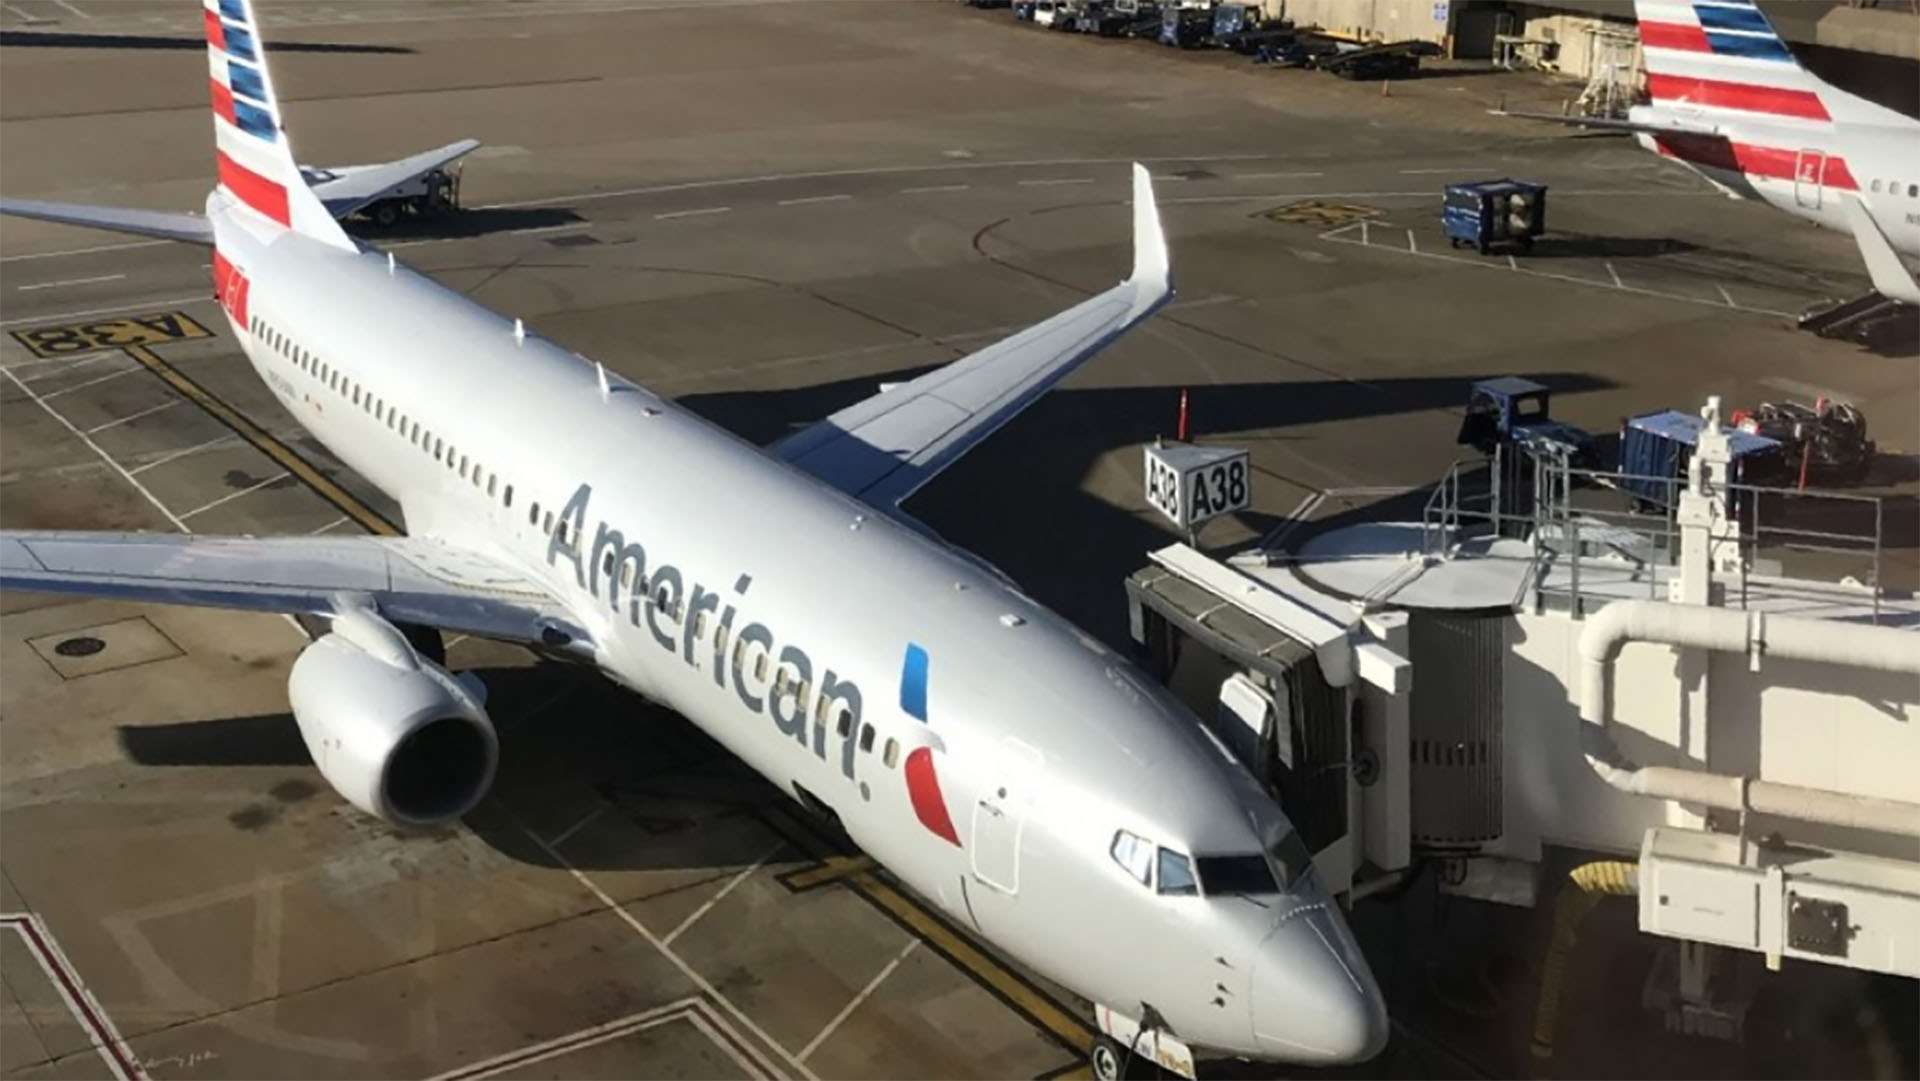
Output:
[[696, 623]]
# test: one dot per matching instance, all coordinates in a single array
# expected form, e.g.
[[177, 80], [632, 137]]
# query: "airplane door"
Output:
[[999, 817], [1809, 174]]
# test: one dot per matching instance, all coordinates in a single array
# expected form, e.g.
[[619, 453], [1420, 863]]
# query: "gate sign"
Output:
[[1191, 484]]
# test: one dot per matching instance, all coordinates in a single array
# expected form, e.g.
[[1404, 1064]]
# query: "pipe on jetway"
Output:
[[1756, 634]]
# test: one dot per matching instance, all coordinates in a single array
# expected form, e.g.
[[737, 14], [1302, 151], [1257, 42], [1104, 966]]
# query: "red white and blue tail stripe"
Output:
[[256, 168], [1723, 57]]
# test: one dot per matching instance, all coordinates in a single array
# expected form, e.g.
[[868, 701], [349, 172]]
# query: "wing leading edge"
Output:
[[407, 579], [884, 448]]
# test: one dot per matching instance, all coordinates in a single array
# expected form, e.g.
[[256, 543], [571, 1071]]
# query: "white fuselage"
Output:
[[1806, 169], [774, 612]]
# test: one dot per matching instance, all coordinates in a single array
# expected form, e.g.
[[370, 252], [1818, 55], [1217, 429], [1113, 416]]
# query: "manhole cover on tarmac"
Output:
[[1324, 213], [83, 646]]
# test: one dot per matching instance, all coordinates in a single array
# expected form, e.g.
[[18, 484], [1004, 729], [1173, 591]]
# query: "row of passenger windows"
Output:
[[408, 428], [1893, 188], [399, 423]]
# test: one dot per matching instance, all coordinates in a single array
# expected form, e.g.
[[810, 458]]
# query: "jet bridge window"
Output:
[[1133, 853], [1176, 875]]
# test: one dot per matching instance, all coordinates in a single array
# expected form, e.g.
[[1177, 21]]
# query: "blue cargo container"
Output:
[[1488, 212], [1655, 450]]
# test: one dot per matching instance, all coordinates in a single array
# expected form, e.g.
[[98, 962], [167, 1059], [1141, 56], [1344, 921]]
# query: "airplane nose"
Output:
[[1315, 1001]]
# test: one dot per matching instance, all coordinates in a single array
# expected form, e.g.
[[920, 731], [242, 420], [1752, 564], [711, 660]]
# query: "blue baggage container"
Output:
[[1485, 213]]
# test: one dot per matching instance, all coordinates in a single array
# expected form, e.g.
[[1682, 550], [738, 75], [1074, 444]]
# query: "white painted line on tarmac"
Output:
[[1050, 183], [56, 317], [705, 985], [95, 447], [865, 993], [231, 496], [182, 453], [933, 188], [1615, 275], [70, 7], [100, 1029], [1551, 276], [885, 170], [549, 228], [68, 281], [74, 364], [692, 213], [815, 199], [330, 526], [745, 873], [585, 820], [1724, 295], [94, 382], [136, 416], [83, 251], [1412, 244]]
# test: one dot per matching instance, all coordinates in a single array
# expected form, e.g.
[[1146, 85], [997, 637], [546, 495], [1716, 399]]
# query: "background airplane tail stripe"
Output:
[[256, 167]]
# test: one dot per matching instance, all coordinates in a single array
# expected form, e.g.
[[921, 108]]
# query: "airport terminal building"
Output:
[[1869, 47]]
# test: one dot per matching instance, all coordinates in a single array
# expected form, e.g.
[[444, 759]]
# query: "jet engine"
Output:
[[396, 734]]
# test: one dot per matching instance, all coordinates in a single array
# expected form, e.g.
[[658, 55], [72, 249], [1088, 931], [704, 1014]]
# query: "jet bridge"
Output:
[[1726, 698]]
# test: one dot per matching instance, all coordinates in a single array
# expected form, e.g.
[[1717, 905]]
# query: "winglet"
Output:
[[1891, 278], [1150, 263]]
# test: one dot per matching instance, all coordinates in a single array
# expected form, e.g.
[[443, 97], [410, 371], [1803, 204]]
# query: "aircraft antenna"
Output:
[[605, 390], [519, 332]]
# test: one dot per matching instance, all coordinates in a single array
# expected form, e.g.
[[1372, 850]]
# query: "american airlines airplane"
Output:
[[1730, 102], [1036, 786]]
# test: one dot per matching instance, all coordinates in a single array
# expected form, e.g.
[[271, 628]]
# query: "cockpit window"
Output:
[[1291, 859], [1225, 876], [1134, 854], [1176, 874]]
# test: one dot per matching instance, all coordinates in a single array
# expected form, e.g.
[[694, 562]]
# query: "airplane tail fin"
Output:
[[1724, 59], [257, 171], [1723, 56]]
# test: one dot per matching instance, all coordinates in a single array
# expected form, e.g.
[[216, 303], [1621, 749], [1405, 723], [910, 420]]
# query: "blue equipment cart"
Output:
[[1655, 450], [1489, 212]]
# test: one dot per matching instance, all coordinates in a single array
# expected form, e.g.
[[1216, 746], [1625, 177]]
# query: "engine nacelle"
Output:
[[394, 733]]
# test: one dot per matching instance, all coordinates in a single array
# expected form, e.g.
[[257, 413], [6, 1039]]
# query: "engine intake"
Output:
[[395, 734]]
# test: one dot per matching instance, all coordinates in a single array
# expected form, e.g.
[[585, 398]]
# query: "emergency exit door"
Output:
[[1809, 178]]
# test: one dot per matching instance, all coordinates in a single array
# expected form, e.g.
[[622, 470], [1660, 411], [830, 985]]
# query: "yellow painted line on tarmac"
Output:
[[244, 427], [1065, 1026]]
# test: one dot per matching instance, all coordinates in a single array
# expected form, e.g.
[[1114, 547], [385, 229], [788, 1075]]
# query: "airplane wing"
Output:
[[408, 579], [168, 225], [1668, 127], [884, 448], [1891, 278], [347, 188]]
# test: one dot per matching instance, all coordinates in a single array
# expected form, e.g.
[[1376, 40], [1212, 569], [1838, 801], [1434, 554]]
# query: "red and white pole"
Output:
[[1181, 431]]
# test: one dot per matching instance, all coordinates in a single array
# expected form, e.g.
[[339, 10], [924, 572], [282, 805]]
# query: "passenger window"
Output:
[[491, 479], [1876, 185], [845, 727], [700, 624], [1176, 875], [1913, 191], [508, 497], [1134, 854], [866, 738], [533, 513], [606, 563], [626, 575], [891, 754], [547, 523]]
